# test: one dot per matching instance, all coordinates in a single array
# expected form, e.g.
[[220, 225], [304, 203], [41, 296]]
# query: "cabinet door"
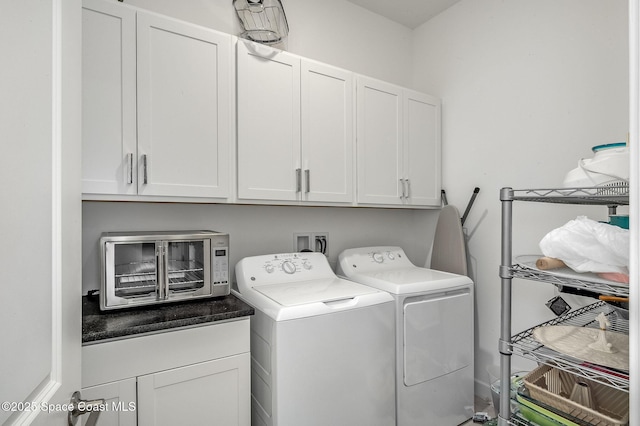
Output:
[[184, 108], [379, 142], [120, 400], [327, 133], [108, 98], [268, 123], [422, 149], [210, 393]]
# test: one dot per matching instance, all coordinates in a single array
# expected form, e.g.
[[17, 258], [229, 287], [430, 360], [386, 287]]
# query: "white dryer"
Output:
[[321, 347], [434, 334]]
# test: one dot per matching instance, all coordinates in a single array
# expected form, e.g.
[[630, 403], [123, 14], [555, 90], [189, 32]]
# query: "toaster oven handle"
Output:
[[161, 271], [165, 269]]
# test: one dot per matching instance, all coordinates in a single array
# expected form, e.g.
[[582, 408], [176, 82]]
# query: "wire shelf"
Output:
[[525, 345], [139, 278], [518, 419], [613, 288], [601, 195]]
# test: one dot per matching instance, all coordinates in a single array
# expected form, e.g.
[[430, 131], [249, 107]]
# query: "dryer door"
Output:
[[438, 335]]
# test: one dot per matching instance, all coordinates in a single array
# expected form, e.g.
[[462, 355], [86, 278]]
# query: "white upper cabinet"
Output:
[[422, 156], [327, 133], [295, 128], [158, 121], [184, 109], [172, 80], [379, 135], [268, 123], [109, 147], [398, 145]]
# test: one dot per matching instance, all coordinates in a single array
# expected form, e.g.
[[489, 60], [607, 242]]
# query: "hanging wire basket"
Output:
[[263, 21]]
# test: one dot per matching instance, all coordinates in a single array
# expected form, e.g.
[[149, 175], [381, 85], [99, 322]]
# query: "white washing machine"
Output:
[[434, 334], [321, 347]]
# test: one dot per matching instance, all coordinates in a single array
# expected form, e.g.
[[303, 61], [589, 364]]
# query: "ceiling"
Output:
[[410, 13]]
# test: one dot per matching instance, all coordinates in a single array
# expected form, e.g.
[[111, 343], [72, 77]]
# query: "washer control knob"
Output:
[[269, 268], [306, 265], [391, 256], [377, 257], [288, 267]]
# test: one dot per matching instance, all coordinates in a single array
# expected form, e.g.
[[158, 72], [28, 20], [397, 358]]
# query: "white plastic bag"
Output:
[[589, 246]]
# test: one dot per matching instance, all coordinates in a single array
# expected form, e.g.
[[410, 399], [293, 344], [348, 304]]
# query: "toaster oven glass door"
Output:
[[187, 269], [135, 270], [161, 270]]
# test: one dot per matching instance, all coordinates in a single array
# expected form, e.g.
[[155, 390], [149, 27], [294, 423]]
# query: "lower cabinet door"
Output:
[[210, 393], [120, 402]]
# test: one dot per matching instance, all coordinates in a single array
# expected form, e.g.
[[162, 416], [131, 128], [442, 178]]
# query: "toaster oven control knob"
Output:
[[377, 257], [288, 267]]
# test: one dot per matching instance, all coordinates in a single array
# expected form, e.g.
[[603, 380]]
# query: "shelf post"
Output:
[[506, 198]]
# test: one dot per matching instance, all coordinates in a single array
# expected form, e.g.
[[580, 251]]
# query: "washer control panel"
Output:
[[386, 256], [288, 263], [371, 259], [282, 268]]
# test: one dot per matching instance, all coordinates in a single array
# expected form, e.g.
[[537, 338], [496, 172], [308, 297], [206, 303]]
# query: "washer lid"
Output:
[[313, 291], [411, 280], [388, 268]]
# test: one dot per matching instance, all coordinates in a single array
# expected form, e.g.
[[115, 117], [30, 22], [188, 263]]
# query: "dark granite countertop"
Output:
[[100, 325]]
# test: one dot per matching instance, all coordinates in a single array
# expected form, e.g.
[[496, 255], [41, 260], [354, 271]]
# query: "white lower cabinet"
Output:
[[209, 393], [194, 376], [120, 402]]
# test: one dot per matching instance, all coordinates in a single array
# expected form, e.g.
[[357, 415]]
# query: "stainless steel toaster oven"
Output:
[[161, 267]]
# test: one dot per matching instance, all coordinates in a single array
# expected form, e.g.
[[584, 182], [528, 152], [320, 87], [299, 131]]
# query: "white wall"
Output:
[[528, 87], [336, 32], [256, 230]]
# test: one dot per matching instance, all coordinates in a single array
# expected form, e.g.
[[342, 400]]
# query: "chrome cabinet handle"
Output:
[[130, 167], [298, 180], [405, 185], [79, 406], [144, 169], [307, 174]]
